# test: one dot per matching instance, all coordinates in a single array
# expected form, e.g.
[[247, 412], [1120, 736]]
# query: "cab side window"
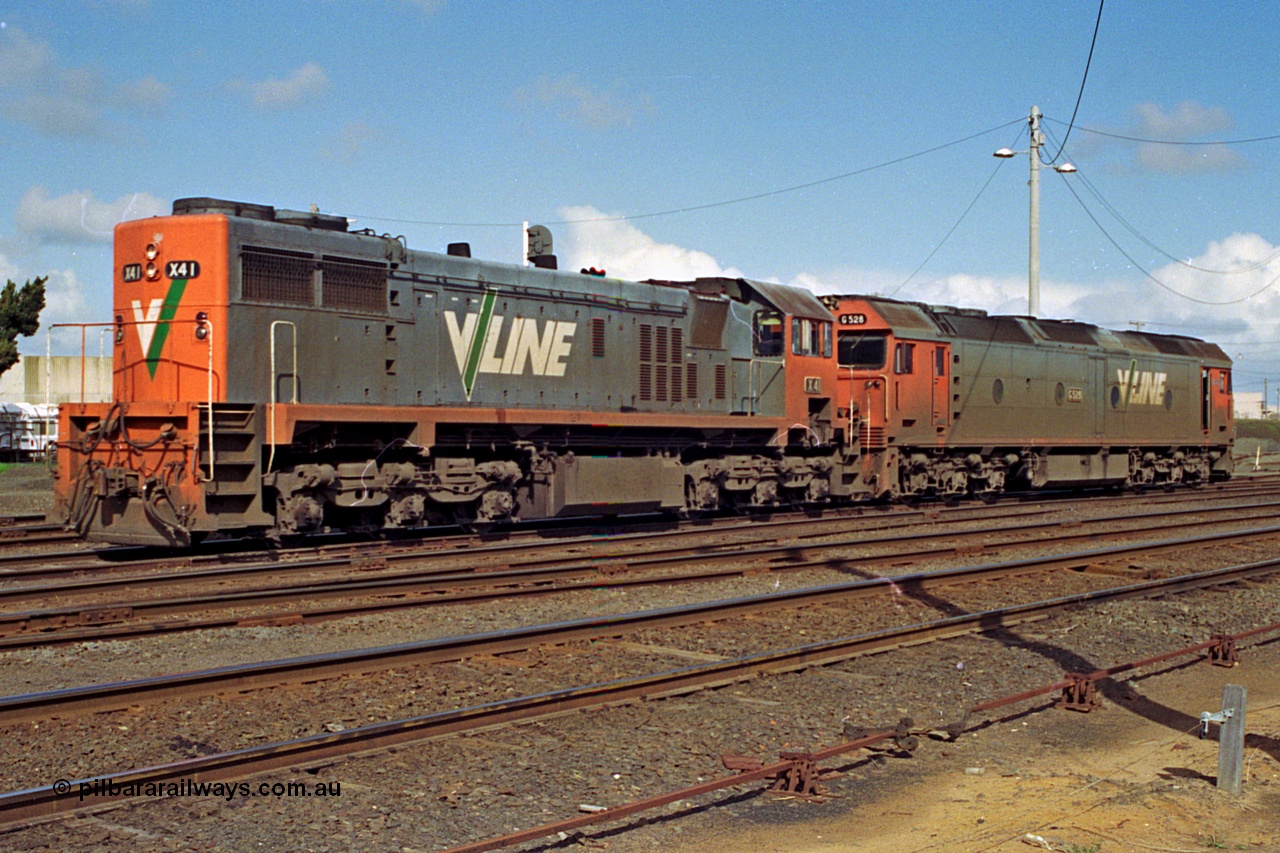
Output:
[[904, 356], [766, 327], [810, 337]]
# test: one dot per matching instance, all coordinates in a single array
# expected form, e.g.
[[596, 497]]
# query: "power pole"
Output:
[[1033, 261], [1033, 253]]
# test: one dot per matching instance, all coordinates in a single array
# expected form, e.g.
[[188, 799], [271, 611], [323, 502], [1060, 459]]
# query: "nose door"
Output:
[[873, 430], [941, 388]]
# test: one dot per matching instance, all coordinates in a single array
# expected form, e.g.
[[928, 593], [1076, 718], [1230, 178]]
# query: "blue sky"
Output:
[[485, 113]]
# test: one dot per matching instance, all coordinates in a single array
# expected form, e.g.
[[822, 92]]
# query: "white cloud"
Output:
[[22, 58], [349, 145], [1187, 120], [577, 102], [1178, 159], [627, 252], [57, 100], [78, 217], [147, 95], [1247, 328], [306, 83], [64, 300]]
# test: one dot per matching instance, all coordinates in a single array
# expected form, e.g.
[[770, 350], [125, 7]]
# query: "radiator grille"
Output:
[[662, 376], [276, 275], [353, 284], [691, 381], [597, 337], [722, 382]]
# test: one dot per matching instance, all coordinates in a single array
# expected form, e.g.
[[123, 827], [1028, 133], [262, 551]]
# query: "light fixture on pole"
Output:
[[1033, 260]]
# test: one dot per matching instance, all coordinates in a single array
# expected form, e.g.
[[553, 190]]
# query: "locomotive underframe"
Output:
[[150, 474], [144, 474], [984, 472]]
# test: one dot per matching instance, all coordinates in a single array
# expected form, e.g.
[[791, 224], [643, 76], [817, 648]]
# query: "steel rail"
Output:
[[792, 759], [109, 620], [243, 677], [379, 554], [705, 552], [34, 804], [46, 565]]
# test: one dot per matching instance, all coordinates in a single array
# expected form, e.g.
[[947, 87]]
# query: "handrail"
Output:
[[271, 456], [209, 324], [48, 356]]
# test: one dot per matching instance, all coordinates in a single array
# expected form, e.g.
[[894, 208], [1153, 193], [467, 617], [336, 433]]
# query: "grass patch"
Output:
[[1255, 428]]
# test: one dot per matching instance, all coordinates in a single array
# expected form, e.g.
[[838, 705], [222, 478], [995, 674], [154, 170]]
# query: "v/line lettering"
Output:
[[478, 344]]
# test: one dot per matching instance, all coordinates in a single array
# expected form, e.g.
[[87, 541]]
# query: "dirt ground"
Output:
[[1132, 776], [26, 488]]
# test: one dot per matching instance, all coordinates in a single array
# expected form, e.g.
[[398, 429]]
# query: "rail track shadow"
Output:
[[1121, 692]]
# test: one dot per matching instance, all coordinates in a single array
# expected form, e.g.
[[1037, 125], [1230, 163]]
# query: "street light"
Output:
[[1033, 261]]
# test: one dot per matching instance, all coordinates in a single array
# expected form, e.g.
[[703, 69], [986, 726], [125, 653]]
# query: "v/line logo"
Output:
[[477, 339], [153, 326], [1141, 387]]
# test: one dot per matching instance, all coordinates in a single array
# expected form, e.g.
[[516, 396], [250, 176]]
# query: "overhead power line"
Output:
[[1093, 190], [1144, 271], [708, 205], [947, 236], [1097, 132], [1096, 24]]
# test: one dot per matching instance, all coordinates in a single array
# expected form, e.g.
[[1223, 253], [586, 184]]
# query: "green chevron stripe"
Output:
[[477, 343], [167, 313]]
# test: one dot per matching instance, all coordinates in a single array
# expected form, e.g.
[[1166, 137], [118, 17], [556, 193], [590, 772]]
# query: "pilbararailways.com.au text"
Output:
[[191, 788]]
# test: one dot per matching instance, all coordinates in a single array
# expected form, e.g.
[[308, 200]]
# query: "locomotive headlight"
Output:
[[119, 329], [202, 328], [153, 271], [152, 251]]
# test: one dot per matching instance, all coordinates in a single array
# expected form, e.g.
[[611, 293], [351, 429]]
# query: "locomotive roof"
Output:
[[945, 321], [795, 301]]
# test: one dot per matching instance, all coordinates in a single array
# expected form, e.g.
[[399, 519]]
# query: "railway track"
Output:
[[94, 616], [275, 673], [41, 803], [42, 566], [115, 560]]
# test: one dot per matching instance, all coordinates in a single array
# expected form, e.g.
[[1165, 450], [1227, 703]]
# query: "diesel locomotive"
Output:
[[278, 374]]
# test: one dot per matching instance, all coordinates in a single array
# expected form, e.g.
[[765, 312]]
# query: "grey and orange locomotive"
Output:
[[277, 374]]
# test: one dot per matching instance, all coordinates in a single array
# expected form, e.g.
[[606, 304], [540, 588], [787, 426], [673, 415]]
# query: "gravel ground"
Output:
[[432, 795], [26, 488]]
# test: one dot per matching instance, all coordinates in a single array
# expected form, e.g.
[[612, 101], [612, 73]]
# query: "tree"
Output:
[[19, 315]]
